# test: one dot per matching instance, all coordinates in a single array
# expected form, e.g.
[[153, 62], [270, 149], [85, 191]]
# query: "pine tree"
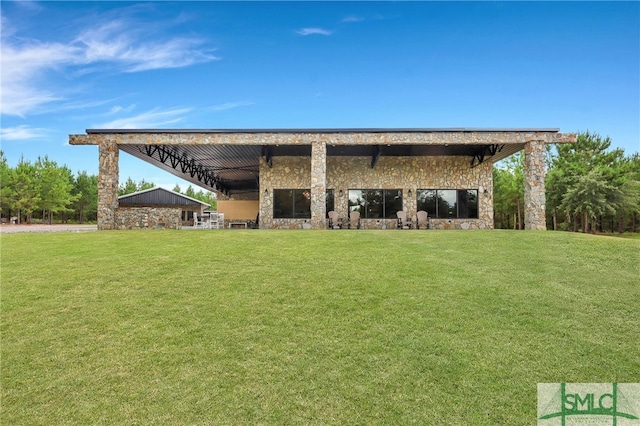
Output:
[[26, 190], [575, 166], [56, 185], [86, 189], [7, 176]]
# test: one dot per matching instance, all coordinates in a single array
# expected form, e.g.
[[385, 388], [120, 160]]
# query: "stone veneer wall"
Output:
[[148, 218], [108, 169], [318, 185], [534, 186], [344, 173], [286, 173]]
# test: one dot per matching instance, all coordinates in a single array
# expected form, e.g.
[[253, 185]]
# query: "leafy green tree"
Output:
[[502, 208], [145, 185], [7, 176], [205, 196], [26, 189], [590, 196], [56, 185], [556, 186], [129, 187], [508, 190], [190, 192], [589, 161], [86, 189], [629, 205]]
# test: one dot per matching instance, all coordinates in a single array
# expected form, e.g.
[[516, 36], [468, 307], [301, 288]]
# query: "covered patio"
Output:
[[330, 167]]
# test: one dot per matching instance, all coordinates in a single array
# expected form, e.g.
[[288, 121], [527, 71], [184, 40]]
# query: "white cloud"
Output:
[[120, 44], [351, 19], [21, 66], [69, 106], [111, 42], [313, 30], [31, 5], [148, 120], [21, 133], [118, 108], [157, 118], [230, 105]]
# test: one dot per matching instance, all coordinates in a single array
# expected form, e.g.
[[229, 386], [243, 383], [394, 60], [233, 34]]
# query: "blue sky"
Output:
[[69, 66]]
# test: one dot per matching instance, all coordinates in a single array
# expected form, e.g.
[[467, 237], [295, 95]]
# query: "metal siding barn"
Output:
[[160, 197]]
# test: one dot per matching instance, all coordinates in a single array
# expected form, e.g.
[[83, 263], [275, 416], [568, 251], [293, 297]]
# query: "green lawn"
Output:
[[310, 327]]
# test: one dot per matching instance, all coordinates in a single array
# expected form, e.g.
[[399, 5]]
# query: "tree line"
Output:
[[46, 192], [589, 188]]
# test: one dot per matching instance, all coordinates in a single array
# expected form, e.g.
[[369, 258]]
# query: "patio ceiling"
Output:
[[228, 160], [235, 168]]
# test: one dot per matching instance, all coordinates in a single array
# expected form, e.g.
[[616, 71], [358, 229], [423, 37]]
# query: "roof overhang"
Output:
[[227, 160]]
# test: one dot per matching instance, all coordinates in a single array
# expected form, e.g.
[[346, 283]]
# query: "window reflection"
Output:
[[449, 203], [329, 201], [427, 201], [392, 202], [375, 203], [291, 203], [467, 203]]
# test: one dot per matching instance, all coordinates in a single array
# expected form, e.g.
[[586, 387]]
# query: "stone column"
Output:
[[318, 184], [534, 194], [107, 184], [265, 195], [485, 199], [409, 203]]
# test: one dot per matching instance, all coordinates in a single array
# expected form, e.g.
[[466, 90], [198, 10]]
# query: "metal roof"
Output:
[[158, 196]]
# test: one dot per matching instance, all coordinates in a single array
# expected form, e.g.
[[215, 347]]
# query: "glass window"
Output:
[[302, 203], [291, 204], [468, 203], [329, 201], [449, 203], [392, 202], [375, 203], [356, 201], [282, 203], [427, 201]]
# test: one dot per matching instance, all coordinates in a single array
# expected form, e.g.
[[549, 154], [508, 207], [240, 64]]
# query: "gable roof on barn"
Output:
[[159, 197]]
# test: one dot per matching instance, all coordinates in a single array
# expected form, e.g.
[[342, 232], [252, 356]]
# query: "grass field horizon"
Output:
[[320, 327]]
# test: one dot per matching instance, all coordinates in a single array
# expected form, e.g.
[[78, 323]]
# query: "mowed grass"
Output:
[[310, 327]]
